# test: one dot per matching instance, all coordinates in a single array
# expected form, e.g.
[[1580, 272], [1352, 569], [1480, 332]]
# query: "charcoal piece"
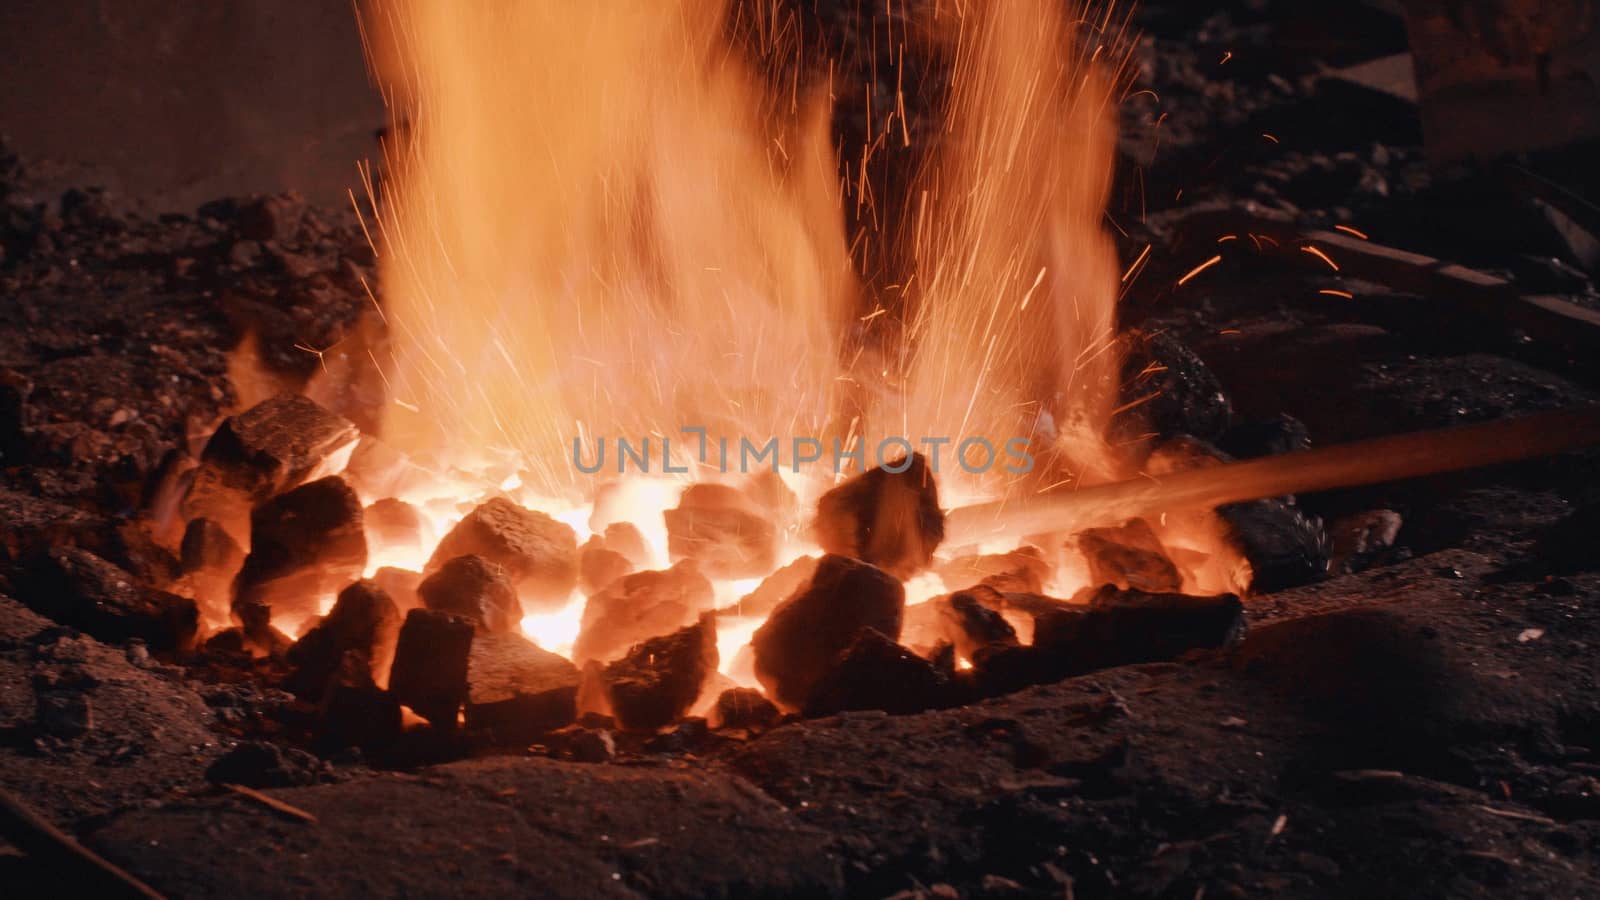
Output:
[[517, 691], [688, 735], [599, 566], [539, 554], [968, 624], [1358, 539], [378, 470], [207, 547], [264, 451], [270, 218], [659, 680], [1115, 628], [1127, 556], [77, 588], [723, 530], [1267, 437], [355, 712], [1167, 390], [803, 638], [590, 745], [401, 586], [394, 525], [305, 545], [476, 589], [1123, 627], [430, 665], [1284, 547], [743, 708], [775, 588], [1183, 453], [891, 520], [638, 607], [363, 621], [1024, 569], [628, 540], [877, 673]]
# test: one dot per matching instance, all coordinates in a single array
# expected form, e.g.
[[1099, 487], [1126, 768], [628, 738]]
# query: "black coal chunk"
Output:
[[207, 547], [305, 545], [658, 680], [889, 519], [1167, 390], [775, 588], [430, 665], [539, 554], [476, 589], [641, 606], [260, 764], [363, 621], [722, 529], [1284, 546], [743, 708], [1024, 569], [969, 624], [1266, 437], [355, 712], [1115, 628], [800, 642], [263, 451], [394, 524], [1129, 556], [77, 588], [877, 673], [517, 690]]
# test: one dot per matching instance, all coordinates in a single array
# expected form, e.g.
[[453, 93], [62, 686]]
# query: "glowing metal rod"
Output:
[[1343, 465]]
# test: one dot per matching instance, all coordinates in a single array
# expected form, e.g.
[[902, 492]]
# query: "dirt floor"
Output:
[[1426, 724]]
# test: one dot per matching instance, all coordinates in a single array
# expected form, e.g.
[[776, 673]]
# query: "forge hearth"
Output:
[[798, 449]]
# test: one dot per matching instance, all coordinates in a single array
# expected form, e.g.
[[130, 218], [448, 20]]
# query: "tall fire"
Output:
[[766, 448]]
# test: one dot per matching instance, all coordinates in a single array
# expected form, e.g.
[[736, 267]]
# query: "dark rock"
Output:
[[271, 218], [207, 547], [775, 588], [688, 735], [591, 745], [1284, 546], [1129, 556], [877, 673], [744, 708], [641, 606], [77, 588], [30, 526], [259, 764], [1123, 627], [1116, 628], [968, 624], [355, 712], [1167, 390], [1024, 569], [660, 679], [1268, 437], [401, 586], [476, 589], [263, 451], [539, 554], [363, 621], [723, 530], [891, 520], [1357, 539], [517, 691], [599, 566], [804, 636], [430, 665], [305, 545], [394, 525], [1183, 453]]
